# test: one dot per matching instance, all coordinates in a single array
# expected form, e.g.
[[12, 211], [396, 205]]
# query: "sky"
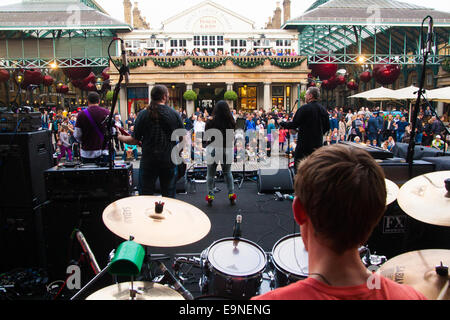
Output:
[[257, 11]]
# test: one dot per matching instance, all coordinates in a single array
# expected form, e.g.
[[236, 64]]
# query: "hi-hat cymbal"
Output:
[[179, 224], [141, 291], [418, 270], [424, 198], [392, 191]]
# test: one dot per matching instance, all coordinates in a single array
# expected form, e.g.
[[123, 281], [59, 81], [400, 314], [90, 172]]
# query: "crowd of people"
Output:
[[212, 53], [374, 127]]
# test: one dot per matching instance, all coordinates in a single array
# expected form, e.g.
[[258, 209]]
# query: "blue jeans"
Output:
[[167, 183], [211, 173], [419, 137]]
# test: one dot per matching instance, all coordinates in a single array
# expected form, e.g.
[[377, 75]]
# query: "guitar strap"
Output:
[[94, 124]]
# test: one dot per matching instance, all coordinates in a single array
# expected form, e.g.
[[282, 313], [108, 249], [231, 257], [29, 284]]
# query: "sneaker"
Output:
[[232, 198], [209, 199]]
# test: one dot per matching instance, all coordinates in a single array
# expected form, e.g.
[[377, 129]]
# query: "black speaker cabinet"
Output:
[[397, 233], [23, 159], [60, 219], [397, 170], [273, 180], [21, 238]]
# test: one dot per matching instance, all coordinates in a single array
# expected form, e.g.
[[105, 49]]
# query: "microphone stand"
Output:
[[412, 141], [123, 72]]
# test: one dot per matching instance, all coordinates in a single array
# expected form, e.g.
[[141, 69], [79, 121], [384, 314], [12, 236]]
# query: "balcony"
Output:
[[182, 69]]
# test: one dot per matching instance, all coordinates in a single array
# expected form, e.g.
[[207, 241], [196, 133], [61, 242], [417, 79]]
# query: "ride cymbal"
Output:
[[140, 291], [178, 224], [418, 270], [425, 198]]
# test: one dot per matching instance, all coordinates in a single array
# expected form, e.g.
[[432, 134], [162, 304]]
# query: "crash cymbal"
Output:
[[143, 291], [425, 198], [418, 270], [179, 223], [392, 191]]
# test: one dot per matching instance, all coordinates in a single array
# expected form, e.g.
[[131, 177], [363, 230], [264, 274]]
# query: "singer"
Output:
[[153, 128], [312, 122]]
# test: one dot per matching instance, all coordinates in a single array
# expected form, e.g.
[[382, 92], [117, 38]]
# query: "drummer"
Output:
[[340, 198]]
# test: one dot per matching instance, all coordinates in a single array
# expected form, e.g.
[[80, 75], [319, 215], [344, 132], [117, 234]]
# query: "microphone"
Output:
[[237, 233], [430, 35], [174, 282], [126, 70], [87, 250]]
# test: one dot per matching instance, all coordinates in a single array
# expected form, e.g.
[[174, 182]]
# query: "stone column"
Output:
[[230, 88], [190, 105], [267, 97]]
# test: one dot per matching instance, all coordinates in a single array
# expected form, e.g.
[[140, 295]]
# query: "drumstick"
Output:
[[444, 291]]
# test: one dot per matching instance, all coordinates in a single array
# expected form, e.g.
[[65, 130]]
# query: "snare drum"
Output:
[[290, 259], [233, 269]]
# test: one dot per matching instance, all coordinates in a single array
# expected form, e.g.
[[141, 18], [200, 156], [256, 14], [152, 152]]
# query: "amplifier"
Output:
[[22, 122], [89, 182]]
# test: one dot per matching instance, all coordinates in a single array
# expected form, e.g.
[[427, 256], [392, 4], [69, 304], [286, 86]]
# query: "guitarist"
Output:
[[153, 128], [89, 131]]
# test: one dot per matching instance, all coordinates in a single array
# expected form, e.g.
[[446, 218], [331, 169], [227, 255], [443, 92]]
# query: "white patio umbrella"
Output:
[[409, 94], [440, 95], [378, 94]]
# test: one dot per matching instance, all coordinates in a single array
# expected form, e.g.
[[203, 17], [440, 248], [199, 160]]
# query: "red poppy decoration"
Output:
[[352, 85], [365, 76], [48, 81], [386, 74], [324, 70], [4, 75]]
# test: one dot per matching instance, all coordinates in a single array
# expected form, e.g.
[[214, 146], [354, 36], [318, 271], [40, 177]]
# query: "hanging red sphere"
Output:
[[4, 75], [90, 87], [48, 80], [77, 73], [312, 84], [32, 76], [62, 89], [324, 70], [341, 80], [386, 74], [365, 76], [352, 85], [89, 79], [105, 74]]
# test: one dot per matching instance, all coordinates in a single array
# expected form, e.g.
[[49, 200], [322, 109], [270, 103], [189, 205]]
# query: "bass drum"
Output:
[[233, 269], [290, 260]]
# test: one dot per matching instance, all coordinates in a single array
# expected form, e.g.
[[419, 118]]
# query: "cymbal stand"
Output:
[[95, 279]]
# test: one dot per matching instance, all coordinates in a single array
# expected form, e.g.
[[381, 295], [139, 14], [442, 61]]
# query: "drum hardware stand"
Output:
[[98, 276]]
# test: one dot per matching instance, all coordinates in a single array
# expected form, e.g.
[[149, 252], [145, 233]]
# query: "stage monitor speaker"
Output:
[[23, 159], [21, 238], [273, 180], [88, 182], [397, 170]]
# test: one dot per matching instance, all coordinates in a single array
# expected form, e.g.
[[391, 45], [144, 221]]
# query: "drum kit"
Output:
[[238, 269]]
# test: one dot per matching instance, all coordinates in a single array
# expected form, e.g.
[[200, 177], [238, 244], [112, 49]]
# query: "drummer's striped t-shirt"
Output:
[[312, 289]]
